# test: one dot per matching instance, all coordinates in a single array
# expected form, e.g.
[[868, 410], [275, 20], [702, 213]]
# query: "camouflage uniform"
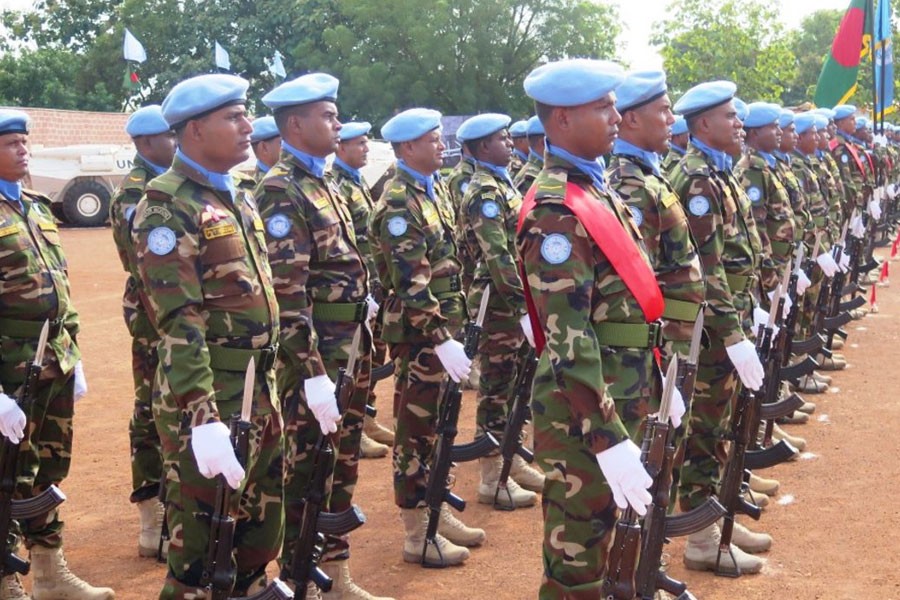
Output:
[[458, 180], [832, 192], [671, 160], [818, 210], [487, 226], [528, 173], [146, 452], [413, 242], [516, 163], [854, 175], [321, 284], [201, 256], [772, 212], [839, 199], [719, 214], [34, 287], [589, 393]]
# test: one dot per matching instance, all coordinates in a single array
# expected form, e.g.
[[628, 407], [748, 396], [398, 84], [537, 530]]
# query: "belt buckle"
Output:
[[267, 358]]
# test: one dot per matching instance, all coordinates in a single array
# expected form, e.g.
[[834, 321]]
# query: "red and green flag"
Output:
[[852, 44], [133, 53]]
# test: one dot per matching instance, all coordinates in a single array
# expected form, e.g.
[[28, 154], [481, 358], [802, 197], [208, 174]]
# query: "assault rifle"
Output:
[[315, 523], [511, 444], [445, 453], [27, 508]]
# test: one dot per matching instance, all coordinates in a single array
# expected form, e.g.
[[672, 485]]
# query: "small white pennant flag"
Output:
[[132, 49], [278, 66], [222, 60]]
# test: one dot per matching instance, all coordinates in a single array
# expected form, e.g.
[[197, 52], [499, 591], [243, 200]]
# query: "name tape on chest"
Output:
[[669, 199], [161, 241], [219, 230], [9, 229]]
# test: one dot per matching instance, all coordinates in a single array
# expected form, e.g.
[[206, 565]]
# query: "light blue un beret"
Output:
[[703, 97], [786, 118], [761, 114], [264, 128], [147, 120], [821, 121], [312, 87], [825, 112], [518, 129], [198, 96], [679, 126], [354, 129], [481, 126], [863, 123], [741, 108], [14, 121], [534, 127], [842, 111], [804, 121], [640, 88], [410, 125], [573, 82]]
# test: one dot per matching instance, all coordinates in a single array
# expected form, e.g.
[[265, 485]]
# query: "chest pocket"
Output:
[[17, 254], [729, 206], [329, 236]]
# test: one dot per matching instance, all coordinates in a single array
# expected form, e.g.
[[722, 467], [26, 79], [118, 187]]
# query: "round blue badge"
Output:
[[698, 205], [278, 225], [556, 248], [755, 194], [161, 241], [397, 226], [845, 158], [637, 215], [490, 209]]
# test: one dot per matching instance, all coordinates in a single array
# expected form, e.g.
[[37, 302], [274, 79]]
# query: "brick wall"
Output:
[[52, 128]]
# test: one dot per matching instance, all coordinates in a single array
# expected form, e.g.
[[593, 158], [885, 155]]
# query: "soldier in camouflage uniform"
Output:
[[487, 223], [518, 131], [201, 256], [351, 155], [155, 145], [414, 243], [458, 180], [529, 171], [829, 174], [34, 288], [719, 214], [677, 145], [266, 143], [847, 151], [321, 283]]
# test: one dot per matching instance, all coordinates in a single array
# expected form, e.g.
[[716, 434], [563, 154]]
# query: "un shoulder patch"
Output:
[[161, 241], [698, 205], [129, 212], [556, 248], [637, 215], [490, 209], [464, 187], [397, 226], [278, 225], [754, 193], [845, 158]]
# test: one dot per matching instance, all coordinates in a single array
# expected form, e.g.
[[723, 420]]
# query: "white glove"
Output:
[[12, 419], [857, 229], [844, 262], [803, 282], [626, 476], [676, 407], [785, 308], [81, 387], [211, 444], [761, 317], [745, 360], [452, 355], [826, 261], [321, 401], [875, 209], [525, 324], [372, 307]]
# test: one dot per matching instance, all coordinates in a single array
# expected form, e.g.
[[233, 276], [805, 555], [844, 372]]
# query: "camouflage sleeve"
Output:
[[850, 176], [486, 218], [563, 298], [645, 212], [755, 186], [290, 244], [172, 280], [721, 317], [118, 219]]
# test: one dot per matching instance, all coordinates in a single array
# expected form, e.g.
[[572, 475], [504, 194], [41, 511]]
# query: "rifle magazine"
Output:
[[694, 520]]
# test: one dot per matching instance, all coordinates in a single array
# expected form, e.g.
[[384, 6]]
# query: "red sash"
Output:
[[859, 164], [618, 247]]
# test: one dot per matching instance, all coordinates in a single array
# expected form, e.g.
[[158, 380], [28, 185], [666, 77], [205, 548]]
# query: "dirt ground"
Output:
[[832, 522]]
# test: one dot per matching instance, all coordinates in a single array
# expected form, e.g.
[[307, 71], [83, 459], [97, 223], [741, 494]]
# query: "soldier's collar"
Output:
[[820, 153], [592, 168], [782, 156], [313, 164], [157, 169], [522, 156], [11, 190], [850, 138], [721, 161], [426, 181], [497, 170], [534, 155], [263, 167], [223, 182], [353, 173], [644, 157], [769, 158], [678, 149]]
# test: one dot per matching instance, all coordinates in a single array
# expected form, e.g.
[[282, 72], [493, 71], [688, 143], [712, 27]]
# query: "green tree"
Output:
[[703, 40], [810, 44]]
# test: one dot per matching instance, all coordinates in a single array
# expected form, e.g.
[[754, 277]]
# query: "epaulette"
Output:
[[395, 193], [136, 180], [36, 196], [695, 168], [242, 180], [165, 186], [278, 178], [626, 169], [550, 186]]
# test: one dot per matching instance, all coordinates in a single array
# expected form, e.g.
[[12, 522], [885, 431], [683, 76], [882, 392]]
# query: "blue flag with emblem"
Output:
[[884, 61]]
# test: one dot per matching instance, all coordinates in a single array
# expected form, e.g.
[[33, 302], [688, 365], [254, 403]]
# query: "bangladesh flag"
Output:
[[852, 44], [132, 81]]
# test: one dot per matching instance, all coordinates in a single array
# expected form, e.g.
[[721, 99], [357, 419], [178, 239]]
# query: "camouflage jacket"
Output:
[[816, 205], [413, 241], [831, 192], [576, 294], [838, 202], [314, 257], [34, 287], [515, 165], [458, 181], [719, 214], [673, 157], [667, 238], [527, 174], [358, 200], [487, 226], [854, 175], [201, 256], [784, 172]]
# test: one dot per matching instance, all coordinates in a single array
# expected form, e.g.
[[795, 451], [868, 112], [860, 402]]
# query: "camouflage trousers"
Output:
[[379, 355], [257, 505], [301, 433], [500, 355], [146, 452], [578, 508], [418, 377], [809, 304]]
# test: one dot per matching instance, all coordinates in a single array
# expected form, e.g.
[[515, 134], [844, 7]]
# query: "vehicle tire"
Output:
[[86, 204]]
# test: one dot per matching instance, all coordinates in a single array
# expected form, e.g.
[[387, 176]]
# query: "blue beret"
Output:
[[842, 111], [481, 126], [354, 129], [679, 126], [410, 125], [312, 87], [640, 88], [863, 123], [264, 128], [761, 114], [146, 121], [573, 82], [14, 121], [804, 121], [534, 127], [519, 129], [741, 108], [198, 96], [703, 97], [786, 118], [821, 121], [825, 112]]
